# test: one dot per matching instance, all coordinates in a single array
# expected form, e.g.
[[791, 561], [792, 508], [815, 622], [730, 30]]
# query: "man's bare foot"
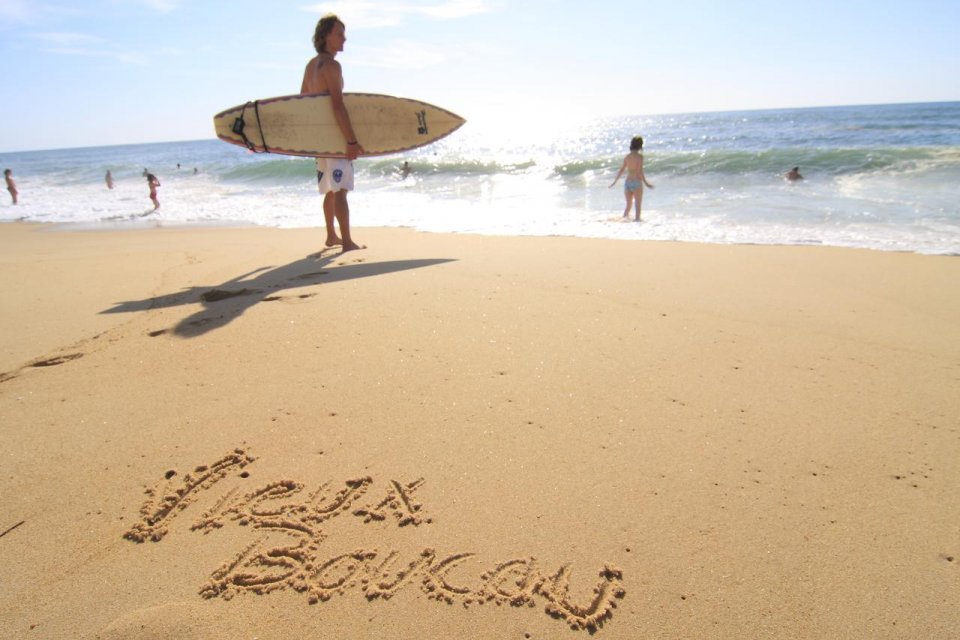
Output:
[[353, 246], [334, 241]]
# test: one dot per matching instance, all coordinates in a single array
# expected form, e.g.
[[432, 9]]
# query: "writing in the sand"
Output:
[[299, 518]]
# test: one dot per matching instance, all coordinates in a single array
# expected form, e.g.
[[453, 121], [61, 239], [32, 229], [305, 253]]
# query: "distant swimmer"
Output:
[[405, 170], [154, 183], [11, 185], [793, 174], [109, 179], [633, 187]]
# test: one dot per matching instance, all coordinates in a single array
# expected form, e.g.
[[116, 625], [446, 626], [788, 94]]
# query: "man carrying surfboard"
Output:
[[334, 175]]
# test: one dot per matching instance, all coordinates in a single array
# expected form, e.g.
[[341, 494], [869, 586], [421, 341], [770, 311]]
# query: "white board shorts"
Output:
[[334, 174]]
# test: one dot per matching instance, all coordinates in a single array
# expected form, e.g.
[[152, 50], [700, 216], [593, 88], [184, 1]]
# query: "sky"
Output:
[[82, 73]]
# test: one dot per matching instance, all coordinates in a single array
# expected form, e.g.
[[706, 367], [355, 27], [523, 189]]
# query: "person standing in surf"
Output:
[[334, 175], [633, 187], [11, 185], [153, 183]]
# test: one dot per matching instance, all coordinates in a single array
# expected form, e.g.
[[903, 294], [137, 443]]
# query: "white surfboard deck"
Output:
[[303, 125]]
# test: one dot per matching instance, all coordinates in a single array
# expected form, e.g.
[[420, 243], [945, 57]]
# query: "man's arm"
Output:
[[334, 77]]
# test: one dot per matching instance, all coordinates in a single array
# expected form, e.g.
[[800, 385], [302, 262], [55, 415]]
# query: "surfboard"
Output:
[[304, 125]]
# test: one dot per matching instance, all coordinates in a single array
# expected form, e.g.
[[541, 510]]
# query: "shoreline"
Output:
[[147, 225], [455, 434]]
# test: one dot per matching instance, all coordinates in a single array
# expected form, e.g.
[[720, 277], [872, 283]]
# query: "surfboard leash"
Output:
[[239, 124]]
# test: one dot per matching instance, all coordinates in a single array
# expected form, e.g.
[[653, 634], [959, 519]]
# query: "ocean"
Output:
[[884, 177]]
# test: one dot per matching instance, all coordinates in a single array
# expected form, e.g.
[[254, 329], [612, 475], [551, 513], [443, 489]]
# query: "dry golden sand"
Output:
[[457, 436]]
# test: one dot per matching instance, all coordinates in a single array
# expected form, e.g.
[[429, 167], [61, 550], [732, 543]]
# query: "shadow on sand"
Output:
[[224, 303]]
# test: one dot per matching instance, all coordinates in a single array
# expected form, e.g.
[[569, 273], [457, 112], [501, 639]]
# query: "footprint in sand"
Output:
[[302, 296], [313, 274], [216, 295], [52, 362], [45, 362]]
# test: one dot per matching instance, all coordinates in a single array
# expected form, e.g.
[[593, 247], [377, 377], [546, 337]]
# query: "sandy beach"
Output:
[[222, 433]]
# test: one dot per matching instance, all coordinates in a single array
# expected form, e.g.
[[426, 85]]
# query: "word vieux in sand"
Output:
[[282, 507]]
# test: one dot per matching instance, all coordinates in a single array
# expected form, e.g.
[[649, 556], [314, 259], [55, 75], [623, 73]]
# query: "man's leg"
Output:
[[342, 212], [329, 214]]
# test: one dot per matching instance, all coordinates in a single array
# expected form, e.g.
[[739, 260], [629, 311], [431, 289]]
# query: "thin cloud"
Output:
[[400, 54], [457, 9], [64, 39], [22, 12], [126, 57], [157, 5], [371, 14], [162, 5], [275, 66], [84, 45], [78, 52], [15, 11]]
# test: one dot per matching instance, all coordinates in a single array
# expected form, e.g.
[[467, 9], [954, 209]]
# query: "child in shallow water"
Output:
[[11, 185], [633, 187], [153, 183]]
